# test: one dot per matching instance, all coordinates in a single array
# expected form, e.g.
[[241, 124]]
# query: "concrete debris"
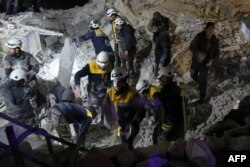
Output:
[[67, 58], [245, 28]]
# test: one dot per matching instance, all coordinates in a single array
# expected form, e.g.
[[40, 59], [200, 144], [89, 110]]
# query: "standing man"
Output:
[[151, 96], [98, 73], [64, 113], [172, 119], [127, 45], [99, 39], [113, 15], [125, 106], [162, 45], [20, 59], [20, 98], [205, 50]]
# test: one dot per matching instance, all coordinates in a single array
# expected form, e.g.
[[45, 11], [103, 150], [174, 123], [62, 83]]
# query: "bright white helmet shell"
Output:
[[94, 24], [118, 73], [18, 74], [119, 21], [110, 12], [142, 85], [14, 43], [102, 59]]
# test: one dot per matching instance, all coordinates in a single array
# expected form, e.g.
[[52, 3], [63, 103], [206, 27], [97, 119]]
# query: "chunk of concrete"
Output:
[[125, 10]]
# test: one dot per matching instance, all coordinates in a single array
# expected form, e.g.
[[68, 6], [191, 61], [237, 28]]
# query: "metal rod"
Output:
[[14, 146]]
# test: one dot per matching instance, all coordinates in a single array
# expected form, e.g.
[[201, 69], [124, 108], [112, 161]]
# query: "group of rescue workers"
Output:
[[121, 106]]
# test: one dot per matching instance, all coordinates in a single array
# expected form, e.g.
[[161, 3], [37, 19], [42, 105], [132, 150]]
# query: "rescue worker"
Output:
[[20, 59], [125, 106], [64, 113], [162, 46], [99, 39], [113, 15], [158, 18], [59, 94], [172, 120], [20, 99], [127, 45], [205, 50], [151, 96], [98, 73]]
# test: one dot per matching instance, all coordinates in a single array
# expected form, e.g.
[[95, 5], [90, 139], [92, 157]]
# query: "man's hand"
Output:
[[210, 63], [77, 91], [201, 57], [125, 54]]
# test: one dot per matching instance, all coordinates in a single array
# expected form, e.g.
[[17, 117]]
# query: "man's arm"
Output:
[[165, 45], [85, 37], [7, 67], [82, 73], [129, 37], [194, 44]]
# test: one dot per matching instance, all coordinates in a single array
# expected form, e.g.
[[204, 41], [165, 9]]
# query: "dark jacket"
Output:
[[72, 112], [99, 40], [99, 80], [127, 37], [175, 111], [17, 101], [25, 60], [162, 48], [201, 43]]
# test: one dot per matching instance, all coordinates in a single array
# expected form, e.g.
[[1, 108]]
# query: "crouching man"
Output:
[[64, 113]]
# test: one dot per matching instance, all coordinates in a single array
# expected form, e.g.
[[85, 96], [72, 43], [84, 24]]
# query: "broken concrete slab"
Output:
[[245, 28], [67, 58], [126, 11]]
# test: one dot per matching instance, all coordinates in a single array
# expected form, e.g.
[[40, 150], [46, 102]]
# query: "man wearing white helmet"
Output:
[[98, 72], [125, 106], [152, 102], [20, 59], [19, 98], [127, 45], [172, 121], [99, 39], [112, 14]]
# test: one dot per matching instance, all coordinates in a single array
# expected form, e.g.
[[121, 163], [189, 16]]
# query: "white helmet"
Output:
[[18, 74], [102, 59], [14, 43], [94, 24], [110, 12], [119, 21], [118, 73], [142, 85], [166, 71]]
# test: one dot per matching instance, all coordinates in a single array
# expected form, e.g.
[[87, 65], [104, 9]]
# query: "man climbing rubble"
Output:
[[205, 50], [151, 96], [127, 45], [99, 39], [113, 15], [98, 73], [66, 112], [172, 118], [162, 45], [20, 59], [19, 98], [125, 106]]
